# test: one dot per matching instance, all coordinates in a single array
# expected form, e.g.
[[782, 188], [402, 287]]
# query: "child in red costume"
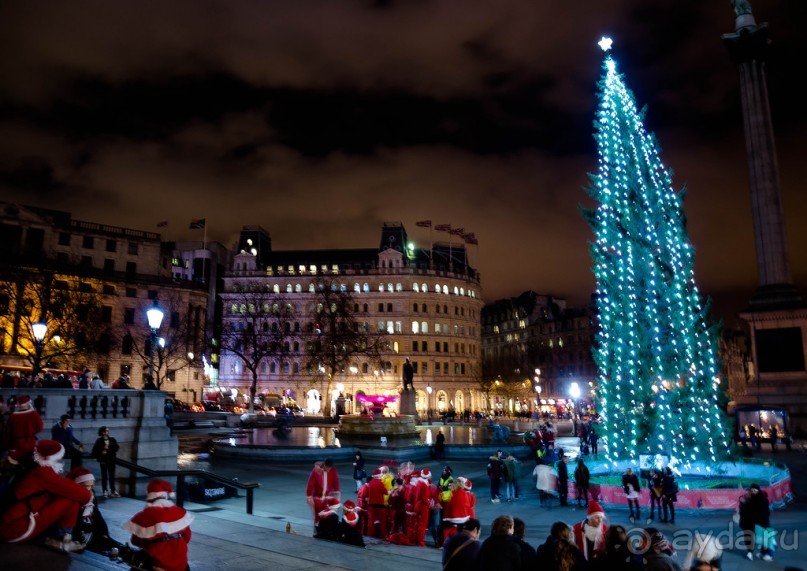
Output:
[[45, 499], [162, 529]]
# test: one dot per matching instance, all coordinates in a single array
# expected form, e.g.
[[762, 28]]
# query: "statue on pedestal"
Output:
[[408, 375]]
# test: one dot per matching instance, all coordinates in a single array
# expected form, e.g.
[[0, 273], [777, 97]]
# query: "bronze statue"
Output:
[[408, 375]]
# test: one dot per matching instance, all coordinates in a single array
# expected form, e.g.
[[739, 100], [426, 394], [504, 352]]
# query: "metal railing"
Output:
[[248, 487]]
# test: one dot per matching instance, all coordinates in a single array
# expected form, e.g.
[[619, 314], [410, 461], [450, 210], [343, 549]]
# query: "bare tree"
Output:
[[77, 322], [260, 330], [180, 335], [336, 338]]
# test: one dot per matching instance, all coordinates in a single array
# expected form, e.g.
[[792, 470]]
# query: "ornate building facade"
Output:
[[427, 301], [91, 284]]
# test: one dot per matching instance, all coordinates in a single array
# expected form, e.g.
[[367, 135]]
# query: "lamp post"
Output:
[[429, 402], [155, 319], [39, 329], [188, 383], [574, 392]]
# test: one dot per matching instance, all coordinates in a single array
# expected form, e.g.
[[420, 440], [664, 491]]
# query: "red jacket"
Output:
[[582, 544], [20, 433], [163, 531], [322, 484], [460, 507], [39, 488]]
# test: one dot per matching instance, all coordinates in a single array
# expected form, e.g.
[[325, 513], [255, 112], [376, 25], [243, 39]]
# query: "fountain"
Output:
[[375, 428]]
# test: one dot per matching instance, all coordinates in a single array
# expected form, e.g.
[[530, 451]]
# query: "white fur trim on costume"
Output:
[[84, 478], [29, 531], [157, 529], [51, 460], [160, 495]]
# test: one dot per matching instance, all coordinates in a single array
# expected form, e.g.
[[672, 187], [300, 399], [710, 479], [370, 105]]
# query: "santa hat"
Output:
[[80, 475], [352, 518], [331, 507], [466, 483], [426, 474], [349, 506], [594, 508], [159, 489], [48, 453], [376, 473], [23, 400]]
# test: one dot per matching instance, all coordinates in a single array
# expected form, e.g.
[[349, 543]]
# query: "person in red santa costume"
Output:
[[377, 506], [422, 504], [460, 508], [46, 502], [328, 525], [589, 534], [349, 527], [323, 483], [162, 529], [22, 426]]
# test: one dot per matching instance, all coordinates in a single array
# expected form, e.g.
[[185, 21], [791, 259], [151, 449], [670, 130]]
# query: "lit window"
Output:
[[290, 269], [415, 327], [456, 290], [298, 288], [288, 288], [389, 287], [424, 327], [365, 288], [356, 287], [276, 288], [424, 287], [398, 287], [415, 287], [335, 269], [311, 288], [312, 269], [462, 291], [301, 269]]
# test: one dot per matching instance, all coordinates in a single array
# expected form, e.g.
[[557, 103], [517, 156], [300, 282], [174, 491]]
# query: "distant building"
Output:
[[112, 275], [534, 331], [427, 300]]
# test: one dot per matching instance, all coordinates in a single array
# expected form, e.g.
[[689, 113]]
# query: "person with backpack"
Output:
[[44, 502]]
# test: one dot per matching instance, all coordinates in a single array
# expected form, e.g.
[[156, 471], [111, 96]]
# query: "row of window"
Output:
[[88, 243], [442, 347], [274, 309], [365, 288], [422, 368]]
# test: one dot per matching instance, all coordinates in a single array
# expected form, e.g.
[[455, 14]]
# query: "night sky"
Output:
[[321, 119]]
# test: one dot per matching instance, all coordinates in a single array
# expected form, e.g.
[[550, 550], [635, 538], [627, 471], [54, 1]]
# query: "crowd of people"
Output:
[[399, 504], [51, 380], [39, 504]]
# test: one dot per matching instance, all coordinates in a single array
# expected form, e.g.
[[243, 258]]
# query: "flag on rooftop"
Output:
[[424, 223], [468, 237], [443, 227], [456, 231], [197, 224], [162, 224]]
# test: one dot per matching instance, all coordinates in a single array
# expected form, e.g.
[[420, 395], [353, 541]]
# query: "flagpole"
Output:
[[204, 253]]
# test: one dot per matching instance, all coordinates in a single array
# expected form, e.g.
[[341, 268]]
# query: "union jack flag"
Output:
[[456, 231], [443, 227], [424, 223]]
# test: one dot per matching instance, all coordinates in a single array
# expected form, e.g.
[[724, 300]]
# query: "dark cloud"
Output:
[[320, 120]]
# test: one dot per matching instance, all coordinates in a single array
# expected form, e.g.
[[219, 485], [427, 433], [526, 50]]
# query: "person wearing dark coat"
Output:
[[559, 552], [500, 551], [529, 557], [581, 479], [617, 555], [461, 550], [669, 491], [754, 511], [105, 450], [563, 478], [630, 484]]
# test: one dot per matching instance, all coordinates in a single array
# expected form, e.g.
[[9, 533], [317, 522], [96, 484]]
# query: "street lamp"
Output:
[[188, 384], [574, 392], [155, 319], [40, 329]]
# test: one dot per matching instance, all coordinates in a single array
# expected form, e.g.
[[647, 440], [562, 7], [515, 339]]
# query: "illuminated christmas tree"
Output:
[[656, 353]]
